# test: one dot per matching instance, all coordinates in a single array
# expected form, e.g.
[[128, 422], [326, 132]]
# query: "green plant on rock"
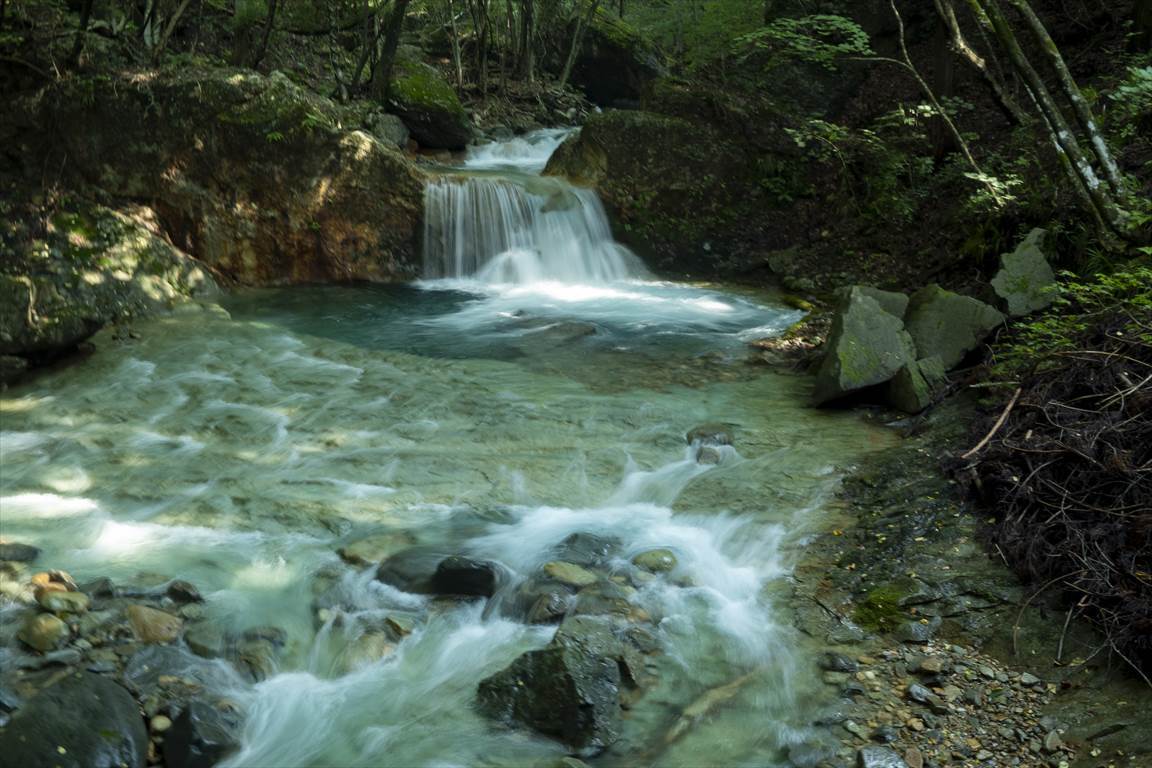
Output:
[[880, 609]]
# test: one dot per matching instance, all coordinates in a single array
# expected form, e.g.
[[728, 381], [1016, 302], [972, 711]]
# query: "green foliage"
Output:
[[1131, 104], [880, 609], [819, 39], [1120, 301]]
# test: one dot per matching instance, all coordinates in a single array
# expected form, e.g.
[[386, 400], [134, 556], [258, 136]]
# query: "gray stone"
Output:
[[917, 631], [947, 325], [206, 639], [388, 129], [917, 385], [83, 721], [184, 592], [1025, 282], [866, 346], [201, 737], [570, 574], [20, 553], [895, 304], [837, 662], [569, 690], [710, 434], [879, 757], [410, 570], [656, 560], [586, 549]]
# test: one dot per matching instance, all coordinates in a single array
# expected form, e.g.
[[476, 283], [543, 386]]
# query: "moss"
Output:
[[880, 609], [419, 86]]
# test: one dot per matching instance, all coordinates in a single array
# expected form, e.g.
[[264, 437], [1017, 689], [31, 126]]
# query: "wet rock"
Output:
[[159, 724], [604, 598], [66, 657], [895, 304], [586, 549], [879, 757], [201, 737], [173, 674], [569, 690], [866, 346], [150, 625], [206, 639], [1025, 282], [60, 581], [101, 587], [376, 548], [43, 631], [19, 553], [428, 105], [410, 570], [388, 129], [400, 626], [1052, 742], [710, 434], [1029, 680], [64, 602], [465, 577], [570, 574], [947, 325], [917, 631], [837, 662], [181, 591], [83, 721], [656, 560], [12, 369], [542, 601]]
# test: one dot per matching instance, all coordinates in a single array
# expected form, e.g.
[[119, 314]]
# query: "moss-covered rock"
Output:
[[91, 267], [428, 105], [255, 176], [615, 62]]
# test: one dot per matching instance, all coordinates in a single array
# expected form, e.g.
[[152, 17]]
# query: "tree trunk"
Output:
[[526, 67], [1072, 92], [1141, 40], [1062, 135], [162, 43], [382, 78], [273, 5], [457, 57], [3, 13], [582, 23], [960, 46], [81, 33]]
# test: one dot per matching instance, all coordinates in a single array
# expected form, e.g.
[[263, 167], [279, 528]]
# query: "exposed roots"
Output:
[[1067, 478]]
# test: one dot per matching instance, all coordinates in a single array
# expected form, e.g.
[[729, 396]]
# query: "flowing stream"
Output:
[[538, 384]]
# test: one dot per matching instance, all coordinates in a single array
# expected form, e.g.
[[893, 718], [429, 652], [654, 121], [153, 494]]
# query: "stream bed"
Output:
[[495, 411]]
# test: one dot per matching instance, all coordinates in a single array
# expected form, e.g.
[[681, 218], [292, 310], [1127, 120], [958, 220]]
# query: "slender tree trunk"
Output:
[[992, 79], [582, 23], [269, 24], [370, 39], [620, 9], [526, 66], [3, 13], [1061, 132], [457, 57], [1074, 95], [1141, 26], [81, 33], [382, 78], [162, 43]]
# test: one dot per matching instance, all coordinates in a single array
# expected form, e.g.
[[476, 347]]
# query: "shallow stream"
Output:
[[492, 411]]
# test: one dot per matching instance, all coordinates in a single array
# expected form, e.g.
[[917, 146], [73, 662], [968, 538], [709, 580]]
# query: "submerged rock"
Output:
[[570, 574], [151, 625], [656, 560], [947, 325], [17, 552], [43, 631], [866, 346], [586, 549], [569, 690], [410, 570], [1026, 282], [710, 434], [879, 757], [83, 721]]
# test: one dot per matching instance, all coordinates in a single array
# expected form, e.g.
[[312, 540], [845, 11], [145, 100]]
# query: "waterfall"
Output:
[[518, 231]]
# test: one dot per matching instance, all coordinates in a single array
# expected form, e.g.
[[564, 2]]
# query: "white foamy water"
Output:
[[528, 153]]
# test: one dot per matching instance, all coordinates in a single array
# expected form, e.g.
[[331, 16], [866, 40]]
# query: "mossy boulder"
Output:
[[948, 325], [428, 105], [680, 191], [866, 346], [255, 176], [91, 266], [917, 385]]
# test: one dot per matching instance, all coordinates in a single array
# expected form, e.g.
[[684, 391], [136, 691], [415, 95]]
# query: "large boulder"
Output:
[[683, 193], [615, 63], [947, 325], [866, 346], [569, 690], [83, 721], [254, 175], [1025, 282], [202, 736], [428, 105], [917, 385], [91, 266]]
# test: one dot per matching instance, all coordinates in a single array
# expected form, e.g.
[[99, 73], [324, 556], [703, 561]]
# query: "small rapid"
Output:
[[276, 452]]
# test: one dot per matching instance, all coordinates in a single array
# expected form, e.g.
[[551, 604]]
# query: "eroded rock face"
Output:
[[569, 690], [83, 721], [867, 346], [254, 175]]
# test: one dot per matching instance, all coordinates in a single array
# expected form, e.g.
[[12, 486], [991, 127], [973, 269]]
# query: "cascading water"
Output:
[[242, 452], [497, 230]]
